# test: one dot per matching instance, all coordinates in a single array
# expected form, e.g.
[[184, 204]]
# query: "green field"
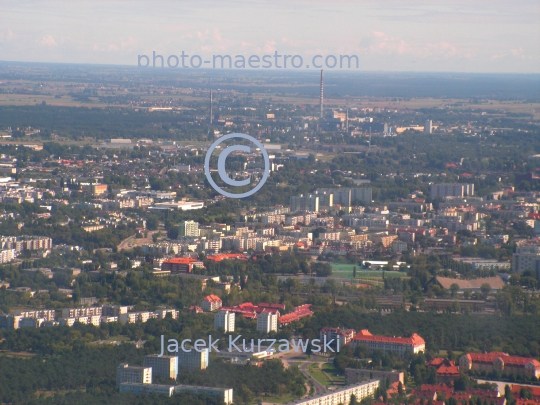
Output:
[[346, 271]]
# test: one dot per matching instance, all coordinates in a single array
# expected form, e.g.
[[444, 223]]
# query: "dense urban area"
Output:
[[391, 257]]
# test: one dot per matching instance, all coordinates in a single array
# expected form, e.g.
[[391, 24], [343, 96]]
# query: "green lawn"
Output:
[[346, 271], [315, 372]]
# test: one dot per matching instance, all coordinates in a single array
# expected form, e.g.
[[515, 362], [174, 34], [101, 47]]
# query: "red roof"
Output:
[[212, 298], [226, 256], [181, 260], [507, 359], [365, 336]]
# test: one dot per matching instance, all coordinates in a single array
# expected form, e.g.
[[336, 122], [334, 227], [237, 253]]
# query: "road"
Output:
[[288, 357]]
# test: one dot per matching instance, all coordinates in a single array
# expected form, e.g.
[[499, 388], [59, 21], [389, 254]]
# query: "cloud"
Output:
[[6, 35], [48, 41]]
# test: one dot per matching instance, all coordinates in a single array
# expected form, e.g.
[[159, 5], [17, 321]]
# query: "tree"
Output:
[[353, 400], [354, 272], [485, 289], [454, 288], [152, 222]]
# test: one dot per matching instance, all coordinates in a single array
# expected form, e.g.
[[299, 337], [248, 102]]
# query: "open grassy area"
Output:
[[316, 372], [346, 270], [276, 399]]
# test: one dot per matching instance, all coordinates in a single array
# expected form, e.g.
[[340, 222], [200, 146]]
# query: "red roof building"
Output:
[[502, 362], [211, 303], [181, 265], [298, 313], [398, 345], [226, 256]]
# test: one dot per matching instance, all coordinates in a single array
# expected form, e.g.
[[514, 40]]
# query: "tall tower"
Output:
[[321, 97], [211, 116], [347, 121]]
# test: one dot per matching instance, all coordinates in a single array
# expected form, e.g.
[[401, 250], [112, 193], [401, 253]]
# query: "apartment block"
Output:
[[193, 360], [224, 320], [451, 190], [267, 321], [361, 390], [309, 202], [166, 366], [133, 374]]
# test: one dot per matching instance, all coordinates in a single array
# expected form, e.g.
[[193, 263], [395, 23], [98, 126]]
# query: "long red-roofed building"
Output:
[[398, 345], [299, 312], [250, 311], [181, 265], [226, 256], [502, 362]]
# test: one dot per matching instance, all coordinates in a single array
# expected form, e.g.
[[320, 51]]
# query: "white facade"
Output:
[[452, 190], [166, 366], [225, 320], [267, 322], [133, 374], [341, 396]]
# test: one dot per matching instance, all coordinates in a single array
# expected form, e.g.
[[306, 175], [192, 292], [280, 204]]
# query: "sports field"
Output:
[[346, 271]]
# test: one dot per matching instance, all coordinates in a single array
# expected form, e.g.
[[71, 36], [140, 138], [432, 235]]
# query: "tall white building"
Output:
[[189, 228], [267, 322], [225, 320], [452, 190], [428, 127], [133, 374], [166, 366]]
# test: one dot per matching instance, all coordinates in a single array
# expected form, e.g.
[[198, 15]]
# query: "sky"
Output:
[[491, 36]]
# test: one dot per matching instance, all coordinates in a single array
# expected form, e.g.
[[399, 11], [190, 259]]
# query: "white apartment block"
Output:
[[224, 320], [166, 366], [21, 243], [7, 255], [134, 317], [267, 322], [361, 390], [133, 374], [78, 312], [527, 257], [451, 190], [47, 314], [137, 388], [189, 228]]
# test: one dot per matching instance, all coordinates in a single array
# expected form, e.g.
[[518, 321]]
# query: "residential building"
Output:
[[133, 374], [527, 257], [452, 190], [398, 345], [211, 303], [428, 127], [224, 320], [355, 375], [309, 202], [225, 395], [361, 390], [267, 321], [193, 360], [138, 388], [181, 265], [343, 335], [166, 366], [501, 362], [189, 228]]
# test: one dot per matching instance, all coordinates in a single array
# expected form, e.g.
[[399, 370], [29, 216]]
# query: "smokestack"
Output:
[[347, 121], [321, 99], [211, 107]]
